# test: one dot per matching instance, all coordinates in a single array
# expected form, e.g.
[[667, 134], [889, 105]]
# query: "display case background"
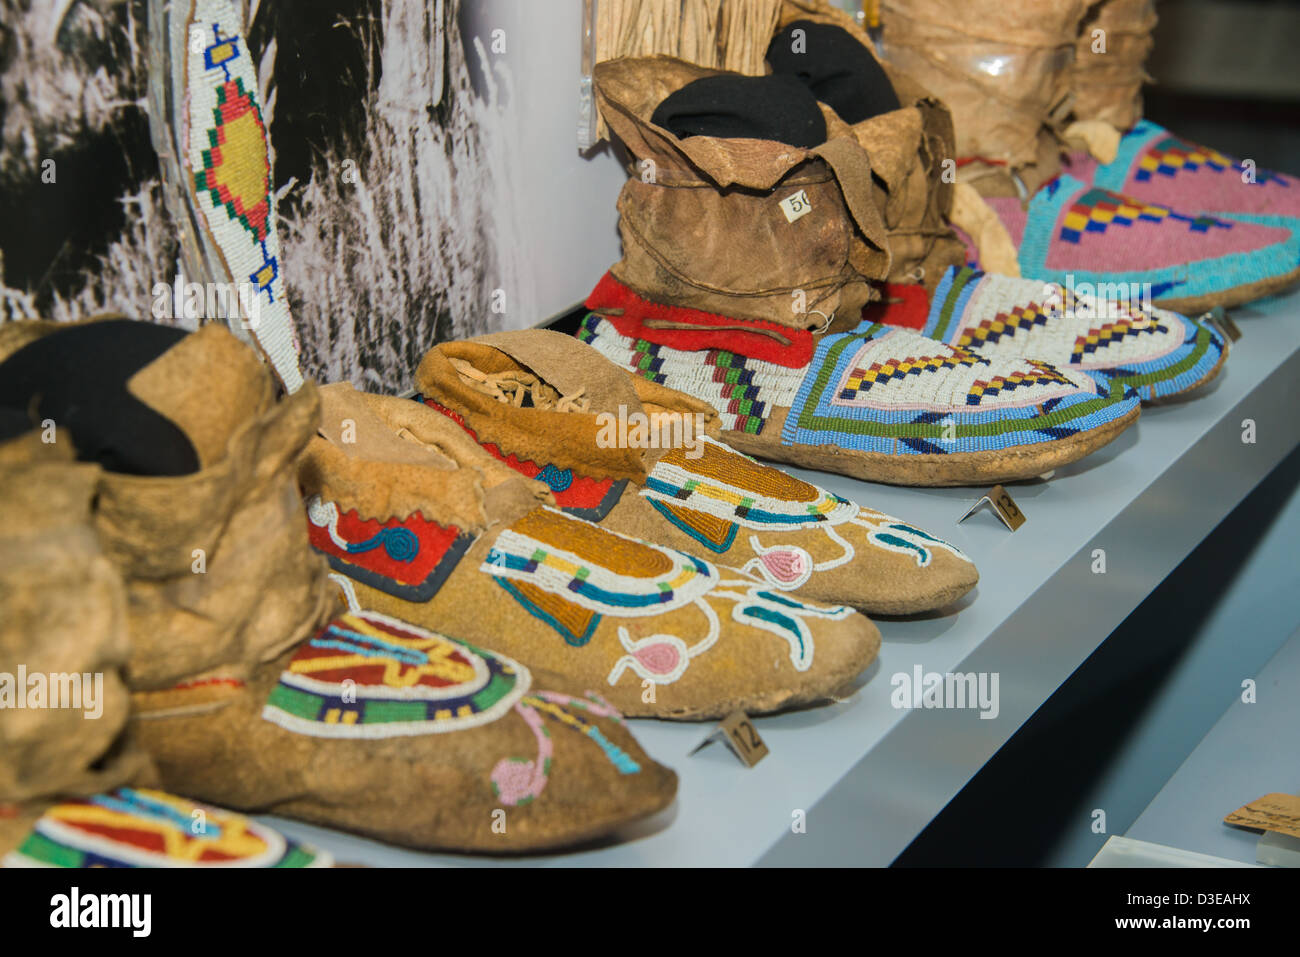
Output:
[[474, 101], [424, 191]]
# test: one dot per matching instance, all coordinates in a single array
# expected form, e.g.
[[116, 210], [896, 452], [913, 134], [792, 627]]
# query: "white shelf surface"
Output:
[[870, 777], [1127, 852], [1250, 752]]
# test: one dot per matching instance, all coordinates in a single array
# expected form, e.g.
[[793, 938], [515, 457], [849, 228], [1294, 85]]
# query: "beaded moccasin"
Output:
[[688, 490], [873, 402], [424, 525], [1074, 232], [1124, 342]]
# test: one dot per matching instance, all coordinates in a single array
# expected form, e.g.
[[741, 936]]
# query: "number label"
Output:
[[1003, 505], [1223, 322], [796, 206], [744, 738]]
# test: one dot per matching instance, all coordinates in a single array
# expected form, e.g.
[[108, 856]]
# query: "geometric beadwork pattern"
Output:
[[1149, 152], [1159, 167], [990, 331], [133, 827], [1107, 329], [242, 190], [948, 377], [1066, 238], [1111, 333], [933, 413], [1097, 209], [1171, 155], [1001, 384], [743, 390], [860, 380], [230, 177], [365, 675]]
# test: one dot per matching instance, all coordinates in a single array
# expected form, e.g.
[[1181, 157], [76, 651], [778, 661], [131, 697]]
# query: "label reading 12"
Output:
[[741, 737], [744, 738]]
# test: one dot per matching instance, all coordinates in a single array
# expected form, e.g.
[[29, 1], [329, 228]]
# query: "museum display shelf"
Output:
[[854, 781], [1250, 752]]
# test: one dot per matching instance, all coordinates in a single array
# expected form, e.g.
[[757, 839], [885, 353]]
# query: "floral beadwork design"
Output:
[[572, 574]]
